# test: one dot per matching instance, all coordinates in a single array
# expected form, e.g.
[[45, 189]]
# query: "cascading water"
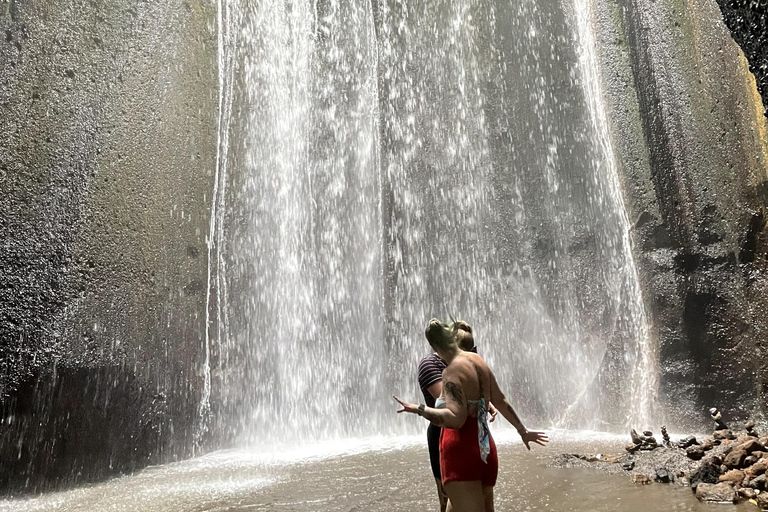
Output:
[[389, 162]]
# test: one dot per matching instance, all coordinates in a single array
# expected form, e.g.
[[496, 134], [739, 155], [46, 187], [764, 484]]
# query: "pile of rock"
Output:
[[729, 467], [725, 467]]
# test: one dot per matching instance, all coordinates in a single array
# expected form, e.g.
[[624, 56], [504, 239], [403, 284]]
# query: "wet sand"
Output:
[[378, 475]]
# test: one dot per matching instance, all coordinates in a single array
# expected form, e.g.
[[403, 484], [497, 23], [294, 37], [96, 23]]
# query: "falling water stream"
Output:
[[384, 163]]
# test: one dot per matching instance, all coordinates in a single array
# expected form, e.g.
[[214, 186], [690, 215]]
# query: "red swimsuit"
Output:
[[460, 455]]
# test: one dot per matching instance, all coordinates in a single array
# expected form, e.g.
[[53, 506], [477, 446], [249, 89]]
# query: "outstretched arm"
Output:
[[506, 410], [455, 413]]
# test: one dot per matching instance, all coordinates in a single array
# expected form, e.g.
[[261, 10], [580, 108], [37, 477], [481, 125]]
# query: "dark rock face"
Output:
[[691, 135], [707, 473], [748, 22], [102, 289]]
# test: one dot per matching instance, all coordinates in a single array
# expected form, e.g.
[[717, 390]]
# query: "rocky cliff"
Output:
[[748, 22], [691, 137], [107, 153]]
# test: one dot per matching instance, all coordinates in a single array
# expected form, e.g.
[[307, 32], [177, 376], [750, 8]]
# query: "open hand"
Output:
[[539, 438], [412, 408]]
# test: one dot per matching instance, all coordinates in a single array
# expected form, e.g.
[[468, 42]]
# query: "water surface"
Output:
[[365, 475]]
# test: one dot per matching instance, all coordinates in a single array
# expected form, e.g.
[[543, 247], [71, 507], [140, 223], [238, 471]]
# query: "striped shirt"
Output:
[[430, 371]]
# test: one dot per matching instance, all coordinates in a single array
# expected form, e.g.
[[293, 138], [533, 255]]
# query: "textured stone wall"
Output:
[[690, 134], [748, 22], [107, 152]]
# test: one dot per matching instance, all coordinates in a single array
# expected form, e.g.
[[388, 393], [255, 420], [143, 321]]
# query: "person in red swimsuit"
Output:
[[468, 460]]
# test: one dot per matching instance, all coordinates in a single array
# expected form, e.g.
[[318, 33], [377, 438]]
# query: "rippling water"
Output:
[[389, 474]]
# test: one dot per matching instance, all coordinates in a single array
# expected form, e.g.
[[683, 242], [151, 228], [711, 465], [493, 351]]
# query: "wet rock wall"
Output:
[[690, 133], [107, 153], [748, 22]]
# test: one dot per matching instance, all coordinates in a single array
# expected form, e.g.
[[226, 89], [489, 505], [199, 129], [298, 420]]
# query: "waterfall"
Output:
[[645, 373], [382, 164]]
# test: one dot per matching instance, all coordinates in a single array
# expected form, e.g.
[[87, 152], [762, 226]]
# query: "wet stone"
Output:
[[640, 479], [716, 493], [758, 468], [762, 501], [723, 434], [663, 476], [750, 446], [687, 441], [707, 472], [734, 476], [735, 459], [758, 482], [747, 493], [695, 452]]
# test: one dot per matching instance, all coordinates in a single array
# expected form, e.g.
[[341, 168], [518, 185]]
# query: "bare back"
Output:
[[466, 379]]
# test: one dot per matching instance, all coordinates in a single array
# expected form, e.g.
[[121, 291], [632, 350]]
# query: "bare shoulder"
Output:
[[476, 360]]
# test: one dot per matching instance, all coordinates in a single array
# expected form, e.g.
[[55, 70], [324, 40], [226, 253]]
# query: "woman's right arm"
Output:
[[455, 413]]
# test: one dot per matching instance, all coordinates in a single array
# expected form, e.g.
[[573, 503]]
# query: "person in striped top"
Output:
[[431, 383]]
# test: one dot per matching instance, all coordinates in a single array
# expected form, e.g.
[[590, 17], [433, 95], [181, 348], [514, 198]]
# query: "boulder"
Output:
[[687, 441], [708, 473], [758, 468], [721, 435], [640, 479], [628, 465], [747, 493], [716, 493], [735, 459], [750, 446], [734, 476], [663, 476], [716, 458], [762, 500], [763, 440], [743, 439], [751, 459], [758, 482], [695, 452], [708, 444]]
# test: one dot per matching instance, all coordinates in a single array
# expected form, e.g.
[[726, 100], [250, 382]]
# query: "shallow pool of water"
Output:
[[367, 475]]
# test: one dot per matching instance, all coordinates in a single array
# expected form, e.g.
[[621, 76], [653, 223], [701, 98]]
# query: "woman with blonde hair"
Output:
[[468, 458]]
